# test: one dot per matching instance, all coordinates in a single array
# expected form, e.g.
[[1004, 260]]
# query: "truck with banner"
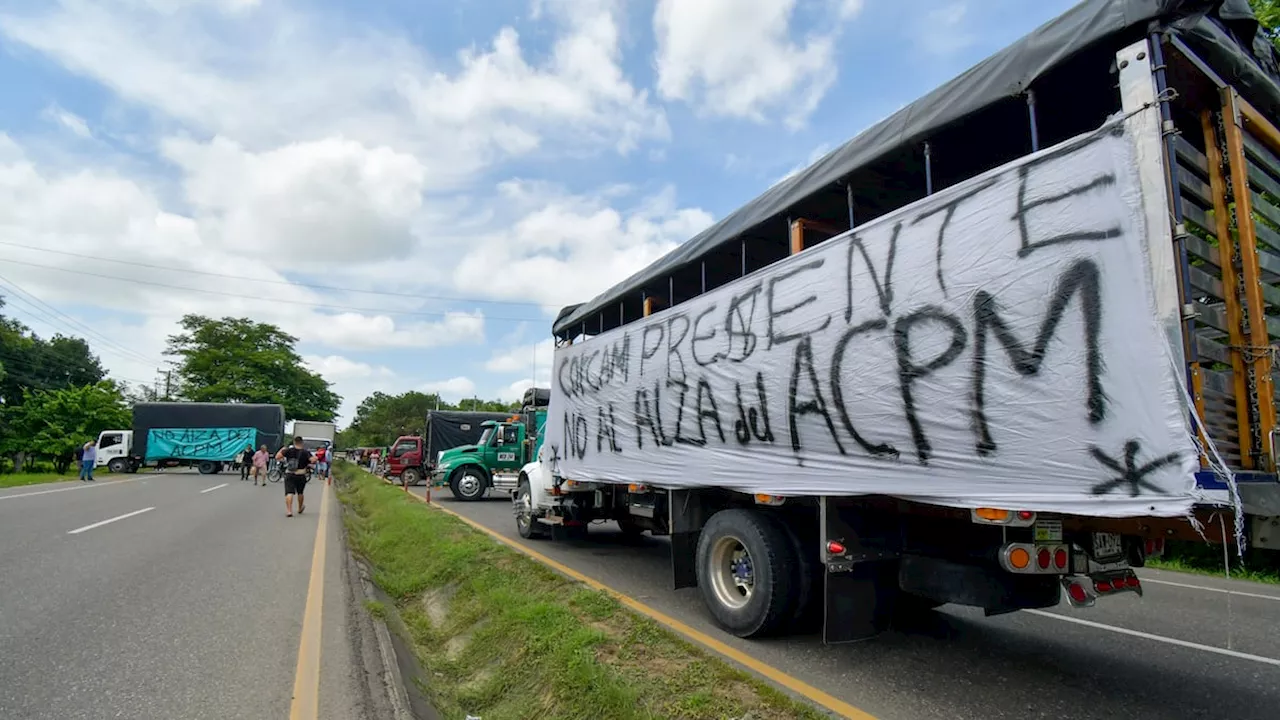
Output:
[[993, 351], [206, 435]]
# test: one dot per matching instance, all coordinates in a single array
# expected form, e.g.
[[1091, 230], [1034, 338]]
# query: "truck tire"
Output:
[[410, 476], [207, 467], [630, 528], [526, 525], [746, 568], [118, 465], [468, 483]]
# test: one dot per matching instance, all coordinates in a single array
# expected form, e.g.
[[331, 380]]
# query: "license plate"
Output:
[[1106, 545]]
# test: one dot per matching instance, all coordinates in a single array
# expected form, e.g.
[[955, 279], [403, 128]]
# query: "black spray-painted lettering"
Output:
[[814, 403], [909, 370], [948, 210], [607, 429], [883, 281], [1130, 473], [1083, 279], [776, 335], [649, 349], [675, 360], [837, 388], [739, 322], [753, 421], [700, 337], [1024, 208], [708, 411]]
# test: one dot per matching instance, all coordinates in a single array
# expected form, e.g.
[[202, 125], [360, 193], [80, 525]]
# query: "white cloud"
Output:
[[583, 243], [67, 120], [815, 155], [337, 367], [452, 389], [523, 358], [321, 202], [945, 29], [738, 58]]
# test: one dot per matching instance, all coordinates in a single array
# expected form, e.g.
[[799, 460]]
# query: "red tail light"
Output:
[[1077, 593], [1060, 559], [1133, 581], [835, 548], [1042, 558], [1102, 586]]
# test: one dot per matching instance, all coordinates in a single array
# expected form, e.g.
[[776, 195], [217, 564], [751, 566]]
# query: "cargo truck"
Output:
[[993, 351], [412, 458], [205, 435], [495, 459], [315, 434]]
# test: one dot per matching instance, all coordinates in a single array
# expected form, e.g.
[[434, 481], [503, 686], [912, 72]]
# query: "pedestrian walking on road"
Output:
[[88, 456], [260, 459], [245, 461], [297, 459], [323, 454]]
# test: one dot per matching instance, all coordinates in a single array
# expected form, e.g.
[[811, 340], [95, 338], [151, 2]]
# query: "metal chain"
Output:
[[1249, 353]]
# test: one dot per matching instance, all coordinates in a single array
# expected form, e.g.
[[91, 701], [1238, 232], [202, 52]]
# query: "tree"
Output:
[[1268, 14], [381, 418], [53, 423], [239, 360]]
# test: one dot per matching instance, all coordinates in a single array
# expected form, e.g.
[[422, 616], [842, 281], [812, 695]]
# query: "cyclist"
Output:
[[297, 461], [260, 459]]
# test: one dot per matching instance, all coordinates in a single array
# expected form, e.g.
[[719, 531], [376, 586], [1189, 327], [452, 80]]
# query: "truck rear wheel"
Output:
[[410, 476], [528, 527], [118, 465], [746, 572], [468, 483], [207, 467]]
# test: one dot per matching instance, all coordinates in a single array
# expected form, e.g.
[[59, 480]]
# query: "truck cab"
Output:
[[470, 470], [405, 459], [114, 450]]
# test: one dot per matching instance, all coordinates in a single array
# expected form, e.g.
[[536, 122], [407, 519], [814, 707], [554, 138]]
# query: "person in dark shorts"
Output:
[[296, 459]]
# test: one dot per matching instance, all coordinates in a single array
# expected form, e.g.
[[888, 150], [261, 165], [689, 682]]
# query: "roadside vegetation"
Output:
[[499, 635], [8, 480], [1203, 559]]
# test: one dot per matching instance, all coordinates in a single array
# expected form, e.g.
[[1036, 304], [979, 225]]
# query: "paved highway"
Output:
[[1159, 657], [189, 605]]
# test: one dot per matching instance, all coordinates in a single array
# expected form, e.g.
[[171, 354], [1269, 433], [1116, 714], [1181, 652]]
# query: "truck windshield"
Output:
[[485, 436]]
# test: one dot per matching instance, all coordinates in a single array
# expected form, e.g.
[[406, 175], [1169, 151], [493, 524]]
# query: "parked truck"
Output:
[[205, 435], [995, 350], [315, 434], [413, 457], [495, 459]]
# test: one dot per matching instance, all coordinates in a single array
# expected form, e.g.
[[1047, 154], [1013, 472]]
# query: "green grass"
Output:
[[9, 480], [1199, 558], [503, 637]]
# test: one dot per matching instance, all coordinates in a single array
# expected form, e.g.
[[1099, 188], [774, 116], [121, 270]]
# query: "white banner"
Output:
[[992, 345]]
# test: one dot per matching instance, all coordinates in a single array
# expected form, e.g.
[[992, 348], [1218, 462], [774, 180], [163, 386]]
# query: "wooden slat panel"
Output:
[[1264, 208], [1195, 214], [1208, 349], [1206, 283], [1259, 154], [1213, 316], [1219, 381], [1195, 187], [1191, 156], [1197, 247]]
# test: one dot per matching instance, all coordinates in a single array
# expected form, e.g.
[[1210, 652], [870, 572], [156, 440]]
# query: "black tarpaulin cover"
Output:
[[1007, 73], [267, 419], [450, 429]]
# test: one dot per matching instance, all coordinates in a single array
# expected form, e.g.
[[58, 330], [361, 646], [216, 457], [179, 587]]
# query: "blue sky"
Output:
[[468, 167]]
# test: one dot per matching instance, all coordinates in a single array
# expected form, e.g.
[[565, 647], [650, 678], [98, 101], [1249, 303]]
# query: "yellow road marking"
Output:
[[306, 681], [789, 682]]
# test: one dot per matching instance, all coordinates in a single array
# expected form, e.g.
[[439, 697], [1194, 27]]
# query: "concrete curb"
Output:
[[392, 679]]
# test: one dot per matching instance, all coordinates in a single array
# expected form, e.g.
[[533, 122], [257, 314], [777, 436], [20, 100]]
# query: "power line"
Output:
[[8, 361], [128, 353], [335, 288], [381, 311]]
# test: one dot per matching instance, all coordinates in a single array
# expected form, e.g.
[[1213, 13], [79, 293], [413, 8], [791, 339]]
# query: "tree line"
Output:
[[55, 394], [381, 418]]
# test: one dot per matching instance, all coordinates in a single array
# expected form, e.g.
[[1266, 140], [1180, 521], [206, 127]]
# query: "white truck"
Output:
[[995, 350], [315, 434]]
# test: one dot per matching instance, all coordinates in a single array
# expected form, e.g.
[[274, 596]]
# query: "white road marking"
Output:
[[110, 520], [215, 487], [1159, 638], [1146, 580], [82, 486]]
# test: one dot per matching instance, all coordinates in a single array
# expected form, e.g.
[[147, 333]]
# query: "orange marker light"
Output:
[[1019, 558], [992, 514]]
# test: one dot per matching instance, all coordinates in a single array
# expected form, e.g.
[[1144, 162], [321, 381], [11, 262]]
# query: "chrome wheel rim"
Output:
[[524, 510], [469, 485], [732, 572]]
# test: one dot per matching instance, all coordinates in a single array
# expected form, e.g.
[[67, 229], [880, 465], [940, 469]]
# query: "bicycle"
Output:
[[275, 471]]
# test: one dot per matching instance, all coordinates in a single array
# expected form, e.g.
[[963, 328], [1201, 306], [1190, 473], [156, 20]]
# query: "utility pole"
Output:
[[168, 376]]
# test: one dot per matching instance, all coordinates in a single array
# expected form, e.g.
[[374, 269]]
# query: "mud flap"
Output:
[[686, 516], [861, 583]]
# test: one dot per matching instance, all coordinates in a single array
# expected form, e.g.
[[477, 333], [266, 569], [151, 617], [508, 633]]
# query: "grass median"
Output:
[[9, 480], [501, 636]]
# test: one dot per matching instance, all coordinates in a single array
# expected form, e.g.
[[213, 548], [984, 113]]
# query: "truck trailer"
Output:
[[202, 434], [315, 434], [495, 459], [993, 351]]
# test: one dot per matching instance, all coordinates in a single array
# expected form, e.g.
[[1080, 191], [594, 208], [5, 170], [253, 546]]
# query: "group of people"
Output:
[[297, 461]]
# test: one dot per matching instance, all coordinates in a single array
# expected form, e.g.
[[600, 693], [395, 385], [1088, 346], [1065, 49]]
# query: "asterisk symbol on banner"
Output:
[[1130, 473]]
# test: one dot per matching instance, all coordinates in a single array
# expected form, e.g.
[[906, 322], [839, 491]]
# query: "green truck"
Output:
[[503, 448]]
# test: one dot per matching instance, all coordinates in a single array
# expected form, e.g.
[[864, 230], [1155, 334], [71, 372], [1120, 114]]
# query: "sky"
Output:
[[414, 188]]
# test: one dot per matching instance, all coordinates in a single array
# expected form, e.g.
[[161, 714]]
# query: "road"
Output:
[[193, 608], [955, 663]]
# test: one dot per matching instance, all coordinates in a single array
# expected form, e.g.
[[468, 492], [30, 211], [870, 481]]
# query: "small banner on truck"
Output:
[[995, 344], [217, 444]]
